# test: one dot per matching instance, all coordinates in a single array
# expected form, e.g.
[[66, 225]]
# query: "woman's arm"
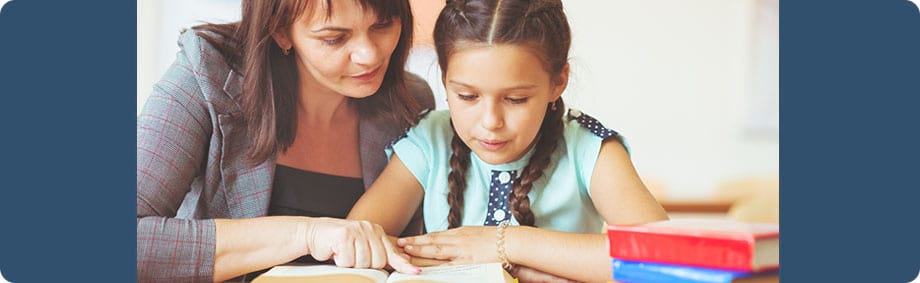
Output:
[[617, 193], [173, 131], [392, 199], [246, 245]]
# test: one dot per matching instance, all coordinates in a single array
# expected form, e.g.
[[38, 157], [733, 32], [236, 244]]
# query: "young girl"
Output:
[[508, 154]]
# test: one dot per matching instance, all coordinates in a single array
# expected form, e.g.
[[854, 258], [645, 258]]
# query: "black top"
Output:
[[304, 193]]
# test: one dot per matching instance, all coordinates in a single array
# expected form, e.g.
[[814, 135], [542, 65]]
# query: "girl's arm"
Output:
[[392, 199], [619, 196], [617, 193]]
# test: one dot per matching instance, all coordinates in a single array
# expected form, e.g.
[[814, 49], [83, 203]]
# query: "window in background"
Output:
[[158, 26], [763, 102]]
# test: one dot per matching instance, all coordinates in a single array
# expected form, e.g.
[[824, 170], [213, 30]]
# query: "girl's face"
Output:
[[347, 53], [497, 95]]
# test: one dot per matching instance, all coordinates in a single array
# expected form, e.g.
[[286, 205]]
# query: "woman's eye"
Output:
[[334, 41], [382, 24]]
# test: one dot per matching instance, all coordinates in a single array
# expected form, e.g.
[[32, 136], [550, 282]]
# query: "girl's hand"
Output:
[[358, 244], [463, 245]]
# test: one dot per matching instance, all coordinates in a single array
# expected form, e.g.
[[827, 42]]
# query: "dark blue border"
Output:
[[849, 141], [67, 118], [850, 149]]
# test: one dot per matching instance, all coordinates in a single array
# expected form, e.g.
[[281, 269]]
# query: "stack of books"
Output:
[[695, 250]]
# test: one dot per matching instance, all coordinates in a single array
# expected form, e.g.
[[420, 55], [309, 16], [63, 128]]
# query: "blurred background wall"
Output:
[[693, 85]]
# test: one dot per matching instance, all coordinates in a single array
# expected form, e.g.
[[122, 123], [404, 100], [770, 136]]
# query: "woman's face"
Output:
[[346, 53]]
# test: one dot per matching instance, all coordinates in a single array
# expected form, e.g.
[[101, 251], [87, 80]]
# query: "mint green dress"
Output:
[[560, 200]]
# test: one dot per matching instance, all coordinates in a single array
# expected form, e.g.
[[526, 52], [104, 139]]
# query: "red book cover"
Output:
[[714, 243]]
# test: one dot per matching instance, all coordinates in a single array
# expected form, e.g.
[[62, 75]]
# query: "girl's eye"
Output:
[[466, 97], [517, 100], [334, 41]]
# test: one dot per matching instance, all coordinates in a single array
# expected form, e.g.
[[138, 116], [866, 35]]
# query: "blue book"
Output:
[[647, 272]]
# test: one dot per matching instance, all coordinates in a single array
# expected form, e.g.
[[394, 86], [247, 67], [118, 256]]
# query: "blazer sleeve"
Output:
[[173, 131]]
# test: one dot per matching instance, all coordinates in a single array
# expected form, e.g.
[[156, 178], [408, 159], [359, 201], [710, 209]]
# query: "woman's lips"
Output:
[[368, 75]]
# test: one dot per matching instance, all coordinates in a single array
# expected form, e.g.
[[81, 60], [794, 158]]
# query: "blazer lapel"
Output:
[[247, 188], [371, 137]]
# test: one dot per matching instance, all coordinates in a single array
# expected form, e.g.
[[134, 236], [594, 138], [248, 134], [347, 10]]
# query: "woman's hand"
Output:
[[463, 245], [358, 244]]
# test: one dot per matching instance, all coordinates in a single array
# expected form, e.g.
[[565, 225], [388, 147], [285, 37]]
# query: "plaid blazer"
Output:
[[191, 162]]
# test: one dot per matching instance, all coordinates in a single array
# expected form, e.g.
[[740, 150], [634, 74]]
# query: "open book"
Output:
[[485, 272]]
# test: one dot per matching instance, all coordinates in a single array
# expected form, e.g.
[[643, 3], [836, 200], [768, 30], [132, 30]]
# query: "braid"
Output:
[[456, 180], [550, 132]]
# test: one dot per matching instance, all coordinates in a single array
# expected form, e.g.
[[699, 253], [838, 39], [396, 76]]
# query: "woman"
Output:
[[266, 130]]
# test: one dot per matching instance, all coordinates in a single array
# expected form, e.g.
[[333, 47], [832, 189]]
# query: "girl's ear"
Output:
[[282, 39], [560, 82]]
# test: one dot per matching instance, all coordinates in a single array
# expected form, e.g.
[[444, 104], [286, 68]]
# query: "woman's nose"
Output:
[[366, 53]]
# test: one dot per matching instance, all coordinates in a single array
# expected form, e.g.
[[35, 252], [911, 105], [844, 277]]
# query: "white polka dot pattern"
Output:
[[591, 124], [499, 191]]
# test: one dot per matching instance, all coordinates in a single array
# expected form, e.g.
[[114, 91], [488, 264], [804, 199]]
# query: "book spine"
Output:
[[680, 249], [636, 271]]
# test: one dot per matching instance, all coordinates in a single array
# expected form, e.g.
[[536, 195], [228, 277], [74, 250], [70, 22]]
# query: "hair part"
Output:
[[495, 17], [542, 27], [270, 88]]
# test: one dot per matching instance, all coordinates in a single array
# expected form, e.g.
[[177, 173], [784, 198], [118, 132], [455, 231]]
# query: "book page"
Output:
[[321, 273], [486, 273]]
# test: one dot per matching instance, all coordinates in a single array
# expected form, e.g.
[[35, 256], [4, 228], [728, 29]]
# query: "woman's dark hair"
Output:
[[539, 25], [270, 90]]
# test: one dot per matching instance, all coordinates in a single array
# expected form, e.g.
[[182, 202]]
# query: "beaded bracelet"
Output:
[[501, 245]]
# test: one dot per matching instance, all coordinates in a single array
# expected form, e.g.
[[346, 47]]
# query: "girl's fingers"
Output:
[[398, 260], [402, 242], [426, 239], [431, 251]]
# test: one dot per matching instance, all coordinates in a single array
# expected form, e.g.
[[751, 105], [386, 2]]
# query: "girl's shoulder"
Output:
[[585, 134], [579, 125], [429, 118], [431, 128]]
